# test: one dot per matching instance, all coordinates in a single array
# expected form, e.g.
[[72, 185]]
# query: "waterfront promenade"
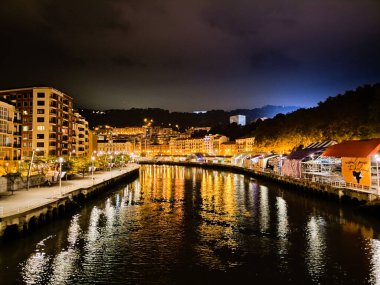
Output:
[[24, 200]]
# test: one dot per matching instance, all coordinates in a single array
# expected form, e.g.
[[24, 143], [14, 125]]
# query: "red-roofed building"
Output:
[[360, 162]]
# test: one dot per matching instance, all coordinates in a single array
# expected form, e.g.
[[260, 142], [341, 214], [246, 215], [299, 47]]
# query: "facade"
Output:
[[238, 119], [114, 146], [358, 163], [245, 144], [210, 144], [10, 136], [92, 143], [46, 118], [80, 139], [228, 149]]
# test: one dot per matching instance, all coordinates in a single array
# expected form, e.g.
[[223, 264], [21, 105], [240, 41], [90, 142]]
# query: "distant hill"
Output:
[[135, 117], [353, 115]]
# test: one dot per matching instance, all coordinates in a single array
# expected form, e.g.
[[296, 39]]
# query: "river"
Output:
[[178, 225]]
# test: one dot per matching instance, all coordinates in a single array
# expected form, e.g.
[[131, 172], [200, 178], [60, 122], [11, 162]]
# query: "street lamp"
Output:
[[30, 168], [111, 157], [92, 169], [60, 160]]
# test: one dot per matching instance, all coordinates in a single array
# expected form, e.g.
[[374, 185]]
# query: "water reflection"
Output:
[[35, 268], [316, 247], [264, 208], [282, 231], [180, 225]]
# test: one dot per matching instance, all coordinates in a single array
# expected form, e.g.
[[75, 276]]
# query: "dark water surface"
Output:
[[177, 225]]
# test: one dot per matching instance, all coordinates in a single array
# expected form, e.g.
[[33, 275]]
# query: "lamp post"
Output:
[[60, 160], [30, 168], [92, 169], [111, 157]]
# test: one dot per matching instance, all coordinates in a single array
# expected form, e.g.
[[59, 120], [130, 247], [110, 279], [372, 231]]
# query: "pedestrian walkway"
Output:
[[23, 200]]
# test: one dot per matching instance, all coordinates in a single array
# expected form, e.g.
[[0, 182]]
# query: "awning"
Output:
[[358, 148]]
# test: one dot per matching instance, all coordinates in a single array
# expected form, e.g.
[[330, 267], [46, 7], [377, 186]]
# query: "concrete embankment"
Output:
[[26, 210], [307, 187]]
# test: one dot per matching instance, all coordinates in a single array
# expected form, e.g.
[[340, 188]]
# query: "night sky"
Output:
[[190, 55]]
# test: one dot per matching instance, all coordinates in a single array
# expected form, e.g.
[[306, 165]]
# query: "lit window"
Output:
[[40, 128]]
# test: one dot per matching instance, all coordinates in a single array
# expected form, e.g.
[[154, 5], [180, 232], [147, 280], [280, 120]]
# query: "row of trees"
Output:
[[70, 165]]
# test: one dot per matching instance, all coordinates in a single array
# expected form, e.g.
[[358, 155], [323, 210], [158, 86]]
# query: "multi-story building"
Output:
[[10, 136], [80, 143], [228, 149], [47, 121], [238, 119], [114, 146], [245, 144], [209, 144], [92, 143]]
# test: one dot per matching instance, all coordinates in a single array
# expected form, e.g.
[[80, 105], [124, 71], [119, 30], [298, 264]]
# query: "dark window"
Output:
[[40, 103], [52, 143], [25, 103], [40, 119], [40, 111], [40, 136], [40, 144], [40, 95]]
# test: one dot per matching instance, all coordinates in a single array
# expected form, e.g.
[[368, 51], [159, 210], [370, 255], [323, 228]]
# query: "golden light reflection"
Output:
[[264, 209], [282, 231]]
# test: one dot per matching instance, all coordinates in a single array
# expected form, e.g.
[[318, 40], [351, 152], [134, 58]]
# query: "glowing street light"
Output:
[[111, 157], [30, 167]]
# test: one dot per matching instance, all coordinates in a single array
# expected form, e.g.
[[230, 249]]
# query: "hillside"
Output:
[[353, 115], [135, 117]]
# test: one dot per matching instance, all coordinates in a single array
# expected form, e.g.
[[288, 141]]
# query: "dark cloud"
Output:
[[191, 54], [273, 61]]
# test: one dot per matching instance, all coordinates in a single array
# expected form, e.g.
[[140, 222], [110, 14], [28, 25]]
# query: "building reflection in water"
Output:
[[264, 209], [282, 232]]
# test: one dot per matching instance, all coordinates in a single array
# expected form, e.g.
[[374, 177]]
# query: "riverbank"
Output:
[[365, 198], [27, 209]]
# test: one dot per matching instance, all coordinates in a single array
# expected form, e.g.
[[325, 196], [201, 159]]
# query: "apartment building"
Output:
[[114, 146], [80, 136], [10, 135], [245, 144], [210, 144], [48, 122]]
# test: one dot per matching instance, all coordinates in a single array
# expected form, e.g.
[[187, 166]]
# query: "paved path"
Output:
[[23, 200]]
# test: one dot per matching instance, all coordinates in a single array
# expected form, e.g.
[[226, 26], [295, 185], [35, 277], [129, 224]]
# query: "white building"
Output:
[[238, 119]]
